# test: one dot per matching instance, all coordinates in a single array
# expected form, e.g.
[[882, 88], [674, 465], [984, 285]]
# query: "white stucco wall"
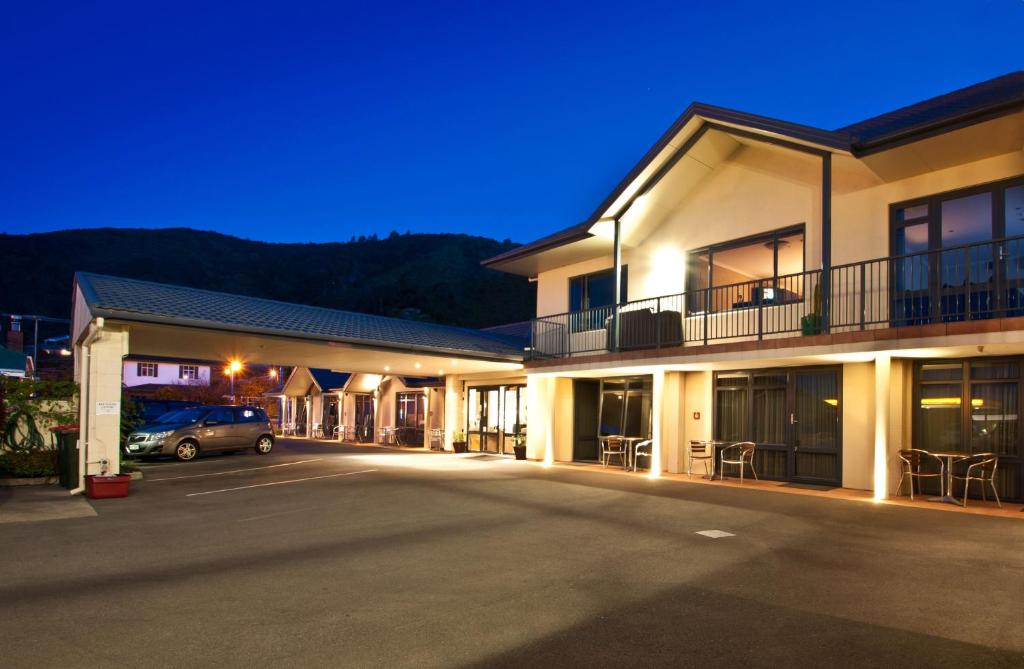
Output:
[[167, 374]]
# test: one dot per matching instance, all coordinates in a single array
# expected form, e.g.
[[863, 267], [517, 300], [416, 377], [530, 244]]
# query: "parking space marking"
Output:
[[233, 471], [263, 485]]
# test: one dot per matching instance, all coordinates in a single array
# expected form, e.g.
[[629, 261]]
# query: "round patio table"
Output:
[[949, 456]]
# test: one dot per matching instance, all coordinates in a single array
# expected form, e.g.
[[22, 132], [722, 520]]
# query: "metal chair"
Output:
[[980, 467], [645, 448], [288, 430], [613, 445], [917, 464], [704, 451], [744, 455], [317, 432], [338, 432]]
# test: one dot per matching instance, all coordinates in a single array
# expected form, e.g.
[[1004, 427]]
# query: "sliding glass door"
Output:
[[973, 406], [792, 415], [496, 417]]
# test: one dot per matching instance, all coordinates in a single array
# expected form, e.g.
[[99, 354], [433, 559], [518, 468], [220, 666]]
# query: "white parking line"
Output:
[[263, 485], [234, 471]]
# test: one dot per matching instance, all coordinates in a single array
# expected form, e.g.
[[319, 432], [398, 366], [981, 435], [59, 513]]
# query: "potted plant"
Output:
[[459, 442], [519, 446], [811, 323]]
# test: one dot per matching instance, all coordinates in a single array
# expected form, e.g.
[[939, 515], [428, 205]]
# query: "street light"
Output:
[[232, 368]]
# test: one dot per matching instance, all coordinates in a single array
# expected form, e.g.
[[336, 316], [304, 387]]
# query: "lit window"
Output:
[[188, 372]]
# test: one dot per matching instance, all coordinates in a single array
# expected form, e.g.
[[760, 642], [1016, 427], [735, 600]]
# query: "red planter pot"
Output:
[[104, 487]]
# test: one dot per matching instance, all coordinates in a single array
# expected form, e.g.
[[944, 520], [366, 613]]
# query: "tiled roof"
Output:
[[144, 301], [520, 331], [1005, 90]]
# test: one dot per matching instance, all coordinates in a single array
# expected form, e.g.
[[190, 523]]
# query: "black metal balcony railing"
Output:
[[970, 282]]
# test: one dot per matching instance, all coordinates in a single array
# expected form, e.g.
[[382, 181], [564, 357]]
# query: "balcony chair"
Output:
[[703, 451], [613, 445], [644, 448], [741, 453], [978, 467], [919, 464]]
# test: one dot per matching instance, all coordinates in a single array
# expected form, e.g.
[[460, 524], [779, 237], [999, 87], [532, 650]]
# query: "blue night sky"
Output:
[[295, 121]]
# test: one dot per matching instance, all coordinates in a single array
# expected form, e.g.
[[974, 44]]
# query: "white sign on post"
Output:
[[108, 408]]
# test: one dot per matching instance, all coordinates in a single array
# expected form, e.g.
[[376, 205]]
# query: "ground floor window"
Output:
[[972, 406], [793, 415], [364, 418], [496, 418]]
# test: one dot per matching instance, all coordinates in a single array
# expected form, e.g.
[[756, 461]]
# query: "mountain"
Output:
[[435, 277]]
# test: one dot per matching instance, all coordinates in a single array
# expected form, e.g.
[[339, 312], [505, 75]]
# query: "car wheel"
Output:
[[186, 450], [264, 445]]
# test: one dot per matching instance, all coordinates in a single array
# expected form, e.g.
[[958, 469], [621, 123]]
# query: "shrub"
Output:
[[28, 464]]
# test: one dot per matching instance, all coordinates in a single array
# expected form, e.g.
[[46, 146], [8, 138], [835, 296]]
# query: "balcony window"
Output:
[[748, 272], [591, 291]]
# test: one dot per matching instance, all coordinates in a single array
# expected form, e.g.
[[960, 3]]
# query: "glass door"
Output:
[[485, 414], [816, 424], [364, 418], [792, 415]]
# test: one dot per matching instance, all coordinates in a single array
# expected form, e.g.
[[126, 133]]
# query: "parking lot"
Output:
[[325, 555]]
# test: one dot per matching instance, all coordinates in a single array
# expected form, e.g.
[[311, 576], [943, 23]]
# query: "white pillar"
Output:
[[451, 411], [540, 430], [883, 373], [426, 418], [657, 413], [101, 369]]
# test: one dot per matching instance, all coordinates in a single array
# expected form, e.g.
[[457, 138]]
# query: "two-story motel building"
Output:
[[831, 295]]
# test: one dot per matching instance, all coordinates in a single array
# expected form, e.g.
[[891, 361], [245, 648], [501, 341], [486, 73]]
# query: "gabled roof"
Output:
[[975, 103], [144, 301], [328, 380], [422, 381]]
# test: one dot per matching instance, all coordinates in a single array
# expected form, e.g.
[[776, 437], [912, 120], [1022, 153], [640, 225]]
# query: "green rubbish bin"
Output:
[[67, 455]]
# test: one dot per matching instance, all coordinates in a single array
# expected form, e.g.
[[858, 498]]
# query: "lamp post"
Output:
[[233, 367]]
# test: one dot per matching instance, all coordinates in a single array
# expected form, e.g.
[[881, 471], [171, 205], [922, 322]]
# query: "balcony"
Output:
[[978, 281]]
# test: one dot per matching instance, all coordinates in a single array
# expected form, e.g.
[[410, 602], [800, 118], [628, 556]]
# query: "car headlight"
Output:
[[161, 435]]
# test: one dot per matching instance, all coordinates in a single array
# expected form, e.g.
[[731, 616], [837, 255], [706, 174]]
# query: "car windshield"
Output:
[[182, 416]]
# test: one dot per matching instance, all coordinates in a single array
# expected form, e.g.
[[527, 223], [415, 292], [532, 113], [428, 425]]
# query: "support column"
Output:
[[617, 264], [540, 430], [657, 416], [826, 240], [451, 411], [101, 370], [426, 418], [883, 373]]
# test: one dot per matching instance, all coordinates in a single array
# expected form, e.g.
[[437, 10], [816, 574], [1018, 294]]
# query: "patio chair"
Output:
[[288, 429], [702, 451], [741, 453], [920, 464], [317, 432], [645, 448], [611, 446], [979, 467], [338, 432]]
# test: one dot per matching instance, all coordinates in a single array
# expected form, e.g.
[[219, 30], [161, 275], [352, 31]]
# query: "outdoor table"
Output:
[[949, 456], [713, 444], [631, 443]]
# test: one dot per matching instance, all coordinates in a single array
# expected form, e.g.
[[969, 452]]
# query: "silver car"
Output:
[[186, 433]]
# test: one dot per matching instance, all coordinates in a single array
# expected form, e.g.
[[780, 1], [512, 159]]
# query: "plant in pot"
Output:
[[811, 323], [459, 442], [519, 446]]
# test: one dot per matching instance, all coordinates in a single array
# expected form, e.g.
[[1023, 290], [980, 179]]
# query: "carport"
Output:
[[114, 317]]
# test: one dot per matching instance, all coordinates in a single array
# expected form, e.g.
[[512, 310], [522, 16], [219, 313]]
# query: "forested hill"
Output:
[[425, 276]]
